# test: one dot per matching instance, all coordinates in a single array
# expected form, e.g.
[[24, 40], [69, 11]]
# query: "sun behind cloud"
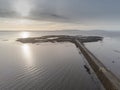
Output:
[[22, 7]]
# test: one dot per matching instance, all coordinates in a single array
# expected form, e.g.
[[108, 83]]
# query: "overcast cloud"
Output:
[[82, 11]]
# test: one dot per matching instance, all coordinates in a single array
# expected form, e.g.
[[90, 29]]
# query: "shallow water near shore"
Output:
[[51, 66], [44, 66]]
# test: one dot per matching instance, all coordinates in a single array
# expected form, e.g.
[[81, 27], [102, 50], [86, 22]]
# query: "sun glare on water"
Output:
[[25, 34], [27, 54]]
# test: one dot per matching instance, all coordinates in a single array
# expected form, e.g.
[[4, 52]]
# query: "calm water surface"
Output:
[[42, 66], [108, 52]]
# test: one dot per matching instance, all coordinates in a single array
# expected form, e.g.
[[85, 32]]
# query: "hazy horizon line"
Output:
[[54, 30]]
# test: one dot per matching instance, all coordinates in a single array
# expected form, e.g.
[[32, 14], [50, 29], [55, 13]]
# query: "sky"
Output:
[[59, 14]]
